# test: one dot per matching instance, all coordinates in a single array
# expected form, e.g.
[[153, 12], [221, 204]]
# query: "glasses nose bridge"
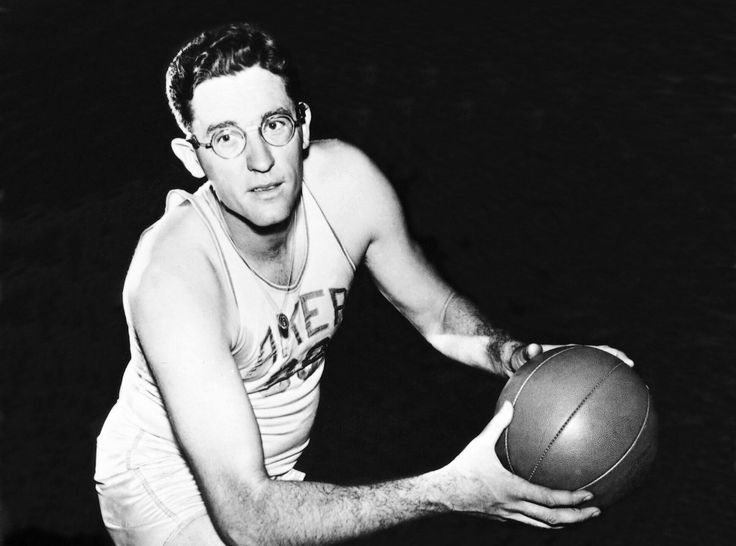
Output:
[[256, 127], [247, 134]]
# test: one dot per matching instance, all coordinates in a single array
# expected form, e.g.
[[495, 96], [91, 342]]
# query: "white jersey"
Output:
[[281, 369]]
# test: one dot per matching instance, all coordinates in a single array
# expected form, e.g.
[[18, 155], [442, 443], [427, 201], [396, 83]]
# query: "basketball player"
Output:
[[232, 298]]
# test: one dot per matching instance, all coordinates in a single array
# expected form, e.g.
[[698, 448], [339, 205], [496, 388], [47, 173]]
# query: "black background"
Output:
[[568, 165]]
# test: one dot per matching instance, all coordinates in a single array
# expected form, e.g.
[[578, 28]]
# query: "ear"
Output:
[[186, 154], [305, 126]]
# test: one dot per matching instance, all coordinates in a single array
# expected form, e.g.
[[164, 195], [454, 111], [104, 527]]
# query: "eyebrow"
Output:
[[230, 123]]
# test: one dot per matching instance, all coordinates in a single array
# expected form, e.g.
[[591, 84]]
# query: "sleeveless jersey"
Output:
[[280, 369]]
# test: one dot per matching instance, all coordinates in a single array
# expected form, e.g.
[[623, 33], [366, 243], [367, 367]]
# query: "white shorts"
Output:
[[146, 490]]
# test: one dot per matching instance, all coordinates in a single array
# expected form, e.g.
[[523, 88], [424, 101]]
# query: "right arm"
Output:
[[181, 313]]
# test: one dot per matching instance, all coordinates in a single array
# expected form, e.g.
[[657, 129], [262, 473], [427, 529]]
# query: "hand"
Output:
[[615, 352], [521, 353], [481, 485]]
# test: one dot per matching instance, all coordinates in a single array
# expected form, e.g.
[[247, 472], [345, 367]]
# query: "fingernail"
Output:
[[596, 513], [587, 497]]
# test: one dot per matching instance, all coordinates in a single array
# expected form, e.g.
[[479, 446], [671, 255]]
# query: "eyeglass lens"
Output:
[[276, 130]]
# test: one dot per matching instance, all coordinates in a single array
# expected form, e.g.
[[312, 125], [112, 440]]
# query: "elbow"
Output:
[[246, 518]]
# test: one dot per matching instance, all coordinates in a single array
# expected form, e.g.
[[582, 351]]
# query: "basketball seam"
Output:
[[569, 418], [633, 444], [506, 432]]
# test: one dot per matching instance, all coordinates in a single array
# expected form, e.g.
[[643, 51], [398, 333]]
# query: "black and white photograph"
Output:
[[367, 273]]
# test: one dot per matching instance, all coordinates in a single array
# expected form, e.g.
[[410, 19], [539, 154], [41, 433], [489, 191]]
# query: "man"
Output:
[[231, 300]]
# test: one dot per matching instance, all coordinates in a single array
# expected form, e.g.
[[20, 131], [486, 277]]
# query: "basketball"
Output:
[[583, 419]]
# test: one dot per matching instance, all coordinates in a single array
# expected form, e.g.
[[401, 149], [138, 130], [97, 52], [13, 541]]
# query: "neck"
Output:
[[267, 242]]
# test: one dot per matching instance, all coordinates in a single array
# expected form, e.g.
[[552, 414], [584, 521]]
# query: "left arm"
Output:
[[467, 336], [449, 321]]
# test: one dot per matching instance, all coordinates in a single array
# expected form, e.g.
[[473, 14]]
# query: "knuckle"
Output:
[[550, 500]]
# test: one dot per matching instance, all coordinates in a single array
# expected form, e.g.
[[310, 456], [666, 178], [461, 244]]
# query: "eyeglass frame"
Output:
[[301, 108]]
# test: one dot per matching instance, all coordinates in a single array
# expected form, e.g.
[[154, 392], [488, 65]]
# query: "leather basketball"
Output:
[[583, 419]]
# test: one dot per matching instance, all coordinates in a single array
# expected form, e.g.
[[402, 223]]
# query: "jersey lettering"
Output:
[[315, 311], [302, 369], [292, 322], [272, 347], [311, 312], [338, 303], [314, 359]]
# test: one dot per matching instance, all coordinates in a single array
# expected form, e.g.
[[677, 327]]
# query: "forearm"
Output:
[[279, 512], [283, 512], [465, 335]]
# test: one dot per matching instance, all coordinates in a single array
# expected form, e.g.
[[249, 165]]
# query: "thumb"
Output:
[[527, 352], [500, 421], [533, 349]]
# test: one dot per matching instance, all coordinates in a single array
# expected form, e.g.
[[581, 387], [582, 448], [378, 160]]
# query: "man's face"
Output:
[[263, 183]]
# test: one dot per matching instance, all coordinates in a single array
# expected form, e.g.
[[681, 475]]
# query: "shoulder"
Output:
[[177, 237], [175, 260], [350, 187], [334, 162]]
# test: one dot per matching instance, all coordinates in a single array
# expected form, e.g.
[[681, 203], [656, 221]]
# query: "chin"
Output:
[[274, 212], [273, 219]]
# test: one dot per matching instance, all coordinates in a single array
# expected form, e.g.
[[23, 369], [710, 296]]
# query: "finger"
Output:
[[499, 422], [624, 357], [512, 516], [521, 518], [555, 517], [547, 347], [618, 354], [532, 350], [550, 497], [522, 354]]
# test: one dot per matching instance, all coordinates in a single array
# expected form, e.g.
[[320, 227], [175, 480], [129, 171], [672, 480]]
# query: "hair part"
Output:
[[223, 51]]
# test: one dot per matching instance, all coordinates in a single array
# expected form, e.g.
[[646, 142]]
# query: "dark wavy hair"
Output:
[[222, 51]]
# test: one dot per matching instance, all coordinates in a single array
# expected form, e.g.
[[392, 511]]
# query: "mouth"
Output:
[[267, 187]]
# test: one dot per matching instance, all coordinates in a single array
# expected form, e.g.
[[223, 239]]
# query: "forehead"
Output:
[[242, 97]]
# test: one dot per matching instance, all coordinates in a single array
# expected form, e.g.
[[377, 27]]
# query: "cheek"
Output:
[[208, 166], [219, 170], [291, 160]]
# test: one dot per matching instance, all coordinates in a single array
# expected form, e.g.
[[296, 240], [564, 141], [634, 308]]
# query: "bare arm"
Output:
[[449, 321], [473, 483], [180, 312], [464, 334]]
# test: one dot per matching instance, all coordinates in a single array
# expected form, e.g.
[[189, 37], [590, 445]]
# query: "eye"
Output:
[[276, 124], [228, 138]]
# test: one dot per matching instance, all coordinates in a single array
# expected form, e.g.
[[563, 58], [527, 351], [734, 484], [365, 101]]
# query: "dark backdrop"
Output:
[[569, 165]]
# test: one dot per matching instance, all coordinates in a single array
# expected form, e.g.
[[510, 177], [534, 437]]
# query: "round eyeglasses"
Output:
[[276, 130]]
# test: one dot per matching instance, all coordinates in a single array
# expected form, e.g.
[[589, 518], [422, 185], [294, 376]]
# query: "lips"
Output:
[[266, 187]]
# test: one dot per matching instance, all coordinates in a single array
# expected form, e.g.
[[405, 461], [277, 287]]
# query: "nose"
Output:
[[258, 154]]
